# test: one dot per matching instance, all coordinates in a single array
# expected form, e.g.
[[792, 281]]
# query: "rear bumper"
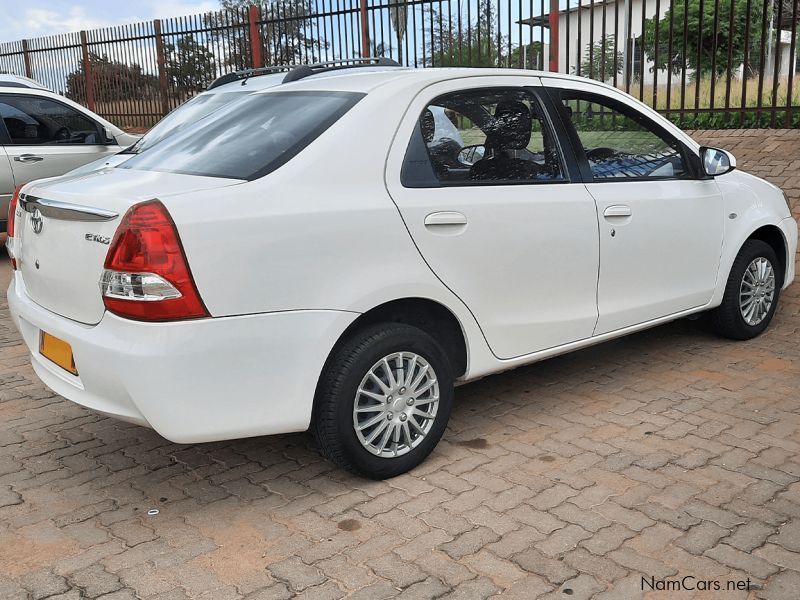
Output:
[[191, 381]]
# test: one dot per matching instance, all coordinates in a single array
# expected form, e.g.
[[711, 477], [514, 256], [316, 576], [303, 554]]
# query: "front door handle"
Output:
[[447, 217], [28, 158], [617, 210]]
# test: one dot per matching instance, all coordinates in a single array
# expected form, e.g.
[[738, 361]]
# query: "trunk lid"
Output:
[[64, 227]]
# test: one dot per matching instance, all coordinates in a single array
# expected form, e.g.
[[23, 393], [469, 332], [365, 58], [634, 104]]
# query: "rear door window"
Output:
[[249, 140], [489, 136]]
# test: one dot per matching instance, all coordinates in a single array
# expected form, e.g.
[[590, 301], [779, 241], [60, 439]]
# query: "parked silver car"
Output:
[[43, 135]]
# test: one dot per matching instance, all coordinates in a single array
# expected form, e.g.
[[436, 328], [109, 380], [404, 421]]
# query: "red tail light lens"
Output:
[[12, 209], [12, 212], [146, 275]]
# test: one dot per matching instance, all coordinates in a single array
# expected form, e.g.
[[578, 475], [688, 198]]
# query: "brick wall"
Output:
[[773, 154]]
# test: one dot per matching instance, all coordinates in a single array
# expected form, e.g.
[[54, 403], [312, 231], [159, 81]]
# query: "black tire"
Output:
[[332, 421], [727, 320]]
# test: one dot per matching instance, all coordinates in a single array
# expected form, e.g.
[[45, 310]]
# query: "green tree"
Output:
[[289, 33], [189, 65], [474, 44], [530, 56], [710, 48], [398, 15], [601, 61], [112, 80]]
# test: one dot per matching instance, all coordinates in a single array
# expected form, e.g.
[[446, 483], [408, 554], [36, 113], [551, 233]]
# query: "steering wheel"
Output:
[[62, 134], [600, 154]]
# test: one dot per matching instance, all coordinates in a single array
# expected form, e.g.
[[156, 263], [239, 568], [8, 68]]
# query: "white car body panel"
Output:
[[104, 162], [643, 271], [170, 377], [672, 223], [516, 300], [287, 262], [60, 266]]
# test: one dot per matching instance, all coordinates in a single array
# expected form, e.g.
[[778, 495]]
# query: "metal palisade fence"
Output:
[[702, 63]]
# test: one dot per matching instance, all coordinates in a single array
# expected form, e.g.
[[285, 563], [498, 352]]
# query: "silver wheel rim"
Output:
[[757, 291], [396, 404]]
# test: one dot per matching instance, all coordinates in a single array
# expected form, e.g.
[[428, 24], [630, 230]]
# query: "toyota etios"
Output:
[[335, 252]]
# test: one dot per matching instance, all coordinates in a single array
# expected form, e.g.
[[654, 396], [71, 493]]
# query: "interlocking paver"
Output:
[[664, 454]]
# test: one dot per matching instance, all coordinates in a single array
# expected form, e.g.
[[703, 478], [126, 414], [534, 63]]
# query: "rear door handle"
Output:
[[447, 217], [617, 210], [28, 158]]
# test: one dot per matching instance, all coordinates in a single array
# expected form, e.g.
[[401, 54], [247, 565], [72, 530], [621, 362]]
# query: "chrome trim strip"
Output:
[[65, 210]]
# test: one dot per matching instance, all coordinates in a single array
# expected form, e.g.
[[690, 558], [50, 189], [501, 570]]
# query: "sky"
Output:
[[34, 18]]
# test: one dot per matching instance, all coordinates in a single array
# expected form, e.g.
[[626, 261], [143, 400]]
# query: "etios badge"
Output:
[[37, 221]]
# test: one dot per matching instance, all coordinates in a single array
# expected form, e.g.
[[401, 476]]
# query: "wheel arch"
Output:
[[429, 315], [772, 235]]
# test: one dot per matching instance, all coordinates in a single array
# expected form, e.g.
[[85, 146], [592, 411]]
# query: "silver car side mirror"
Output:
[[469, 155], [716, 161]]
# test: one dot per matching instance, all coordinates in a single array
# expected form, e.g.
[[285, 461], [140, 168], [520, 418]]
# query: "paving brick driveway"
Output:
[[667, 454]]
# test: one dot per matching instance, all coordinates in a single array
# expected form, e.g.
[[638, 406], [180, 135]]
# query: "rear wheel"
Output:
[[751, 293], [383, 400]]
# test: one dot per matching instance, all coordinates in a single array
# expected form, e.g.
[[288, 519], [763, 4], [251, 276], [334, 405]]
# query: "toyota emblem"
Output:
[[36, 221]]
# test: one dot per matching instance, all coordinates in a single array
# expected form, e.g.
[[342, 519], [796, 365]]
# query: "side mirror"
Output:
[[109, 137], [469, 155], [716, 161]]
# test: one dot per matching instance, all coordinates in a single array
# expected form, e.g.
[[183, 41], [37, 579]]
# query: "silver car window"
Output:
[[36, 121]]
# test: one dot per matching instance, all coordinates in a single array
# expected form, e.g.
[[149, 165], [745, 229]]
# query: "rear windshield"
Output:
[[182, 117], [252, 138]]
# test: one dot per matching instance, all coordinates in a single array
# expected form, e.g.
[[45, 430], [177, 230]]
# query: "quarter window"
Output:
[[491, 136], [33, 121], [621, 143]]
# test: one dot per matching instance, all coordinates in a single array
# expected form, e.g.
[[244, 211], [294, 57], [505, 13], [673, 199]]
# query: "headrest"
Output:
[[428, 125], [511, 127]]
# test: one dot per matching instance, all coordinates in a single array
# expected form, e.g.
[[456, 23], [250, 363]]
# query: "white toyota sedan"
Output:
[[322, 254]]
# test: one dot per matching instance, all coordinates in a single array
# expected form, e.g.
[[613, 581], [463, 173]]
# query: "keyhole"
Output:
[[613, 232]]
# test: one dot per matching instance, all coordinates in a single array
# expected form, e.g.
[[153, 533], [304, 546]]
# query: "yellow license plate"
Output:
[[58, 351]]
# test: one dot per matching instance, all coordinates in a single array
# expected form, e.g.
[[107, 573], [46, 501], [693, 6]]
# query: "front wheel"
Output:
[[751, 293], [383, 400]]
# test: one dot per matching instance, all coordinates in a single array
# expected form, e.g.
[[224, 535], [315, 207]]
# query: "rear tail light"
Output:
[[146, 275], [12, 210]]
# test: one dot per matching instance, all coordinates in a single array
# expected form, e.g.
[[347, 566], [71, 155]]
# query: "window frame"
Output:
[[5, 136], [557, 94], [417, 168]]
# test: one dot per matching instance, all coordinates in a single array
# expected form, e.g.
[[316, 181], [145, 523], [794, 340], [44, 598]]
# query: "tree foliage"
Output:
[[112, 80], [530, 56], [474, 44], [190, 65], [289, 34], [703, 49], [601, 61], [398, 15]]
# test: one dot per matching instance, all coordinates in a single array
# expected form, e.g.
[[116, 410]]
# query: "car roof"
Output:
[[18, 81], [366, 79]]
